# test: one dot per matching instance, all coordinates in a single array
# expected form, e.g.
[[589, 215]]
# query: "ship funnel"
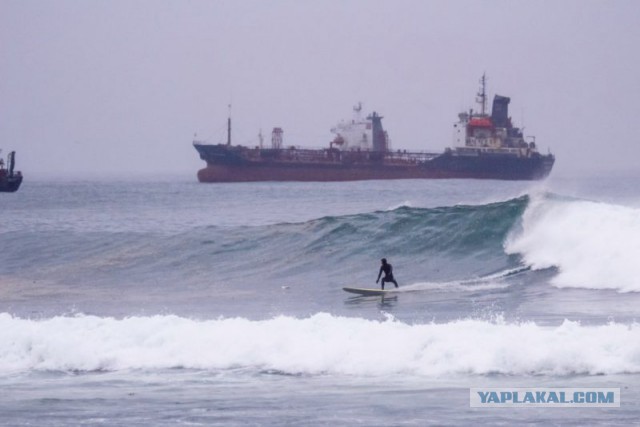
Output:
[[379, 135], [12, 162], [500, 111]]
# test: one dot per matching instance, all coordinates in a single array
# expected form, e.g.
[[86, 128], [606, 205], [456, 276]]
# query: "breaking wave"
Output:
[[458, 239], [317, 345], [593, 245]]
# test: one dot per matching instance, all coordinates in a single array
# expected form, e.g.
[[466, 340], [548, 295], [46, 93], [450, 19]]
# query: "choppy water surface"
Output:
[[173, 302]]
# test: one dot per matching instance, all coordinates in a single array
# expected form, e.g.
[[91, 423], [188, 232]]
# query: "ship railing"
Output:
[[324, 155], [404, 156], [514, 151]]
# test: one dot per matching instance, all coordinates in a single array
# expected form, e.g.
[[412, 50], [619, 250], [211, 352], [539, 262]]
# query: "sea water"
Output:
[[165, 302]]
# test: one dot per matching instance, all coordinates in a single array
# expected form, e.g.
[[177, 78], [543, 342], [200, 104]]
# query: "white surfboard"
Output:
[[368, 291]]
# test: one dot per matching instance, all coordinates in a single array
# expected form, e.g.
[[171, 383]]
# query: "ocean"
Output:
[[165, 302]]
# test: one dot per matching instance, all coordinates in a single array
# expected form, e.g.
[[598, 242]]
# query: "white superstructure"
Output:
[[356, 134]]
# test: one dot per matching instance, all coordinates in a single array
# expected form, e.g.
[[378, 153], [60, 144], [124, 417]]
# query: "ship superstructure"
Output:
[[361, 133], [494, 133]]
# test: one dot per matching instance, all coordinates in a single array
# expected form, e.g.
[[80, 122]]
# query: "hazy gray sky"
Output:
[[121, 86]]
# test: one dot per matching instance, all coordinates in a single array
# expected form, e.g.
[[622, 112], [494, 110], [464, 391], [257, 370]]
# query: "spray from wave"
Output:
[[593, 245]]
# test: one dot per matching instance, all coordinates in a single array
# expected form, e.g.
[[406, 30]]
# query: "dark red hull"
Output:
[[231, 164]]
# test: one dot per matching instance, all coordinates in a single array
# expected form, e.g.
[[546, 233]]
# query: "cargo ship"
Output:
[[9, 180], [485, 146]]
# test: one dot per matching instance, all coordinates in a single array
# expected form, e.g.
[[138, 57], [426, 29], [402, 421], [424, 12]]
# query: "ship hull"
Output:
[[10, 184], [233, 164]]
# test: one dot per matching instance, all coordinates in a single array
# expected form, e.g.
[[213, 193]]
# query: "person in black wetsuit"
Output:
[[388, 273]]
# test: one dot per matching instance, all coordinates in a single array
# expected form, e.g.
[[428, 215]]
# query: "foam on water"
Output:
[[485, 283], [320, 344]]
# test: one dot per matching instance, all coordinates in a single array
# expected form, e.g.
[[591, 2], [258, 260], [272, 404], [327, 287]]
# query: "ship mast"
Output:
[[482, 95], [229, 127]]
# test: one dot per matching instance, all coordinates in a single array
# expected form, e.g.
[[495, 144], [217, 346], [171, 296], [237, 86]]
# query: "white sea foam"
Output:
[[593, 245], [484, 283], [455, 286], [319, 344]]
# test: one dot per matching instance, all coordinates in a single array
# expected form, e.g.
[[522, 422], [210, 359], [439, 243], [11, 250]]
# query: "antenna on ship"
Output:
[[482, 95]]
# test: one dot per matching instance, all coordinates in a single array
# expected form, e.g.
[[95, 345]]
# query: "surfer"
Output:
[[388, 273]]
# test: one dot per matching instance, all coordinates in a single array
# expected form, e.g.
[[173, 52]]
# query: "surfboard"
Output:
[[367, 291]]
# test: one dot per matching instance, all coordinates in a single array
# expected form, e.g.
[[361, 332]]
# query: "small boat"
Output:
[[10, 180]]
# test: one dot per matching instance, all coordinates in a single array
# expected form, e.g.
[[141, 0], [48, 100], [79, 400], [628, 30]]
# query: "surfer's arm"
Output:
[[379, 274]]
